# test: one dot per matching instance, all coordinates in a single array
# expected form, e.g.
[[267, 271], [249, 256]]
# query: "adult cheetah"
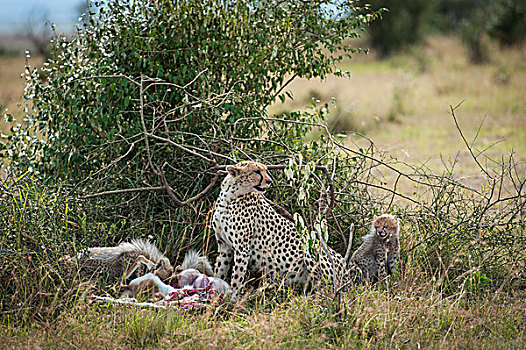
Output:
[[252, 234]]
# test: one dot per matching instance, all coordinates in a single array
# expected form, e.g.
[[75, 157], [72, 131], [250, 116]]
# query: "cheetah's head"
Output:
[[246, 177], [385, 226]]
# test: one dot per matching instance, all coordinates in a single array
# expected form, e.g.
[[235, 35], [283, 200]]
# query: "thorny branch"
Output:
[[452, 112], [349, 244]]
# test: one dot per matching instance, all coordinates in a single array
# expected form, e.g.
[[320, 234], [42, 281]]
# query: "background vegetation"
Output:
[[139, 101], [408, 23]]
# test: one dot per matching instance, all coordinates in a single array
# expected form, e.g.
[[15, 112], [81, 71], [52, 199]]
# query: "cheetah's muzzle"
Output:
[[260, 189]]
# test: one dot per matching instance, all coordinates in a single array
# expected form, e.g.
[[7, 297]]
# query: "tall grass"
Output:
[[409, 314], [43, 304], [37, 231]]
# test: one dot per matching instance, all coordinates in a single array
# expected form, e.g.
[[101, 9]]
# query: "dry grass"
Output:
[[413, 315], [12, 84]]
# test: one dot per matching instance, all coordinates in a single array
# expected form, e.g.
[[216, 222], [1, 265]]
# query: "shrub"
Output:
[[164, 92], [201, 65], [403, 24], [507, 22]]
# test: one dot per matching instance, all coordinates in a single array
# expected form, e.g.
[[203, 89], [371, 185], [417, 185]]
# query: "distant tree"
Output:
[[452, 14], [472, 33], [507, 21], [406, 23], [403, 24], [38, 31]]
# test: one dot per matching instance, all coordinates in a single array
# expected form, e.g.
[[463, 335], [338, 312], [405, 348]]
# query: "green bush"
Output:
[[507, 22], [232, 58], [167, 92]]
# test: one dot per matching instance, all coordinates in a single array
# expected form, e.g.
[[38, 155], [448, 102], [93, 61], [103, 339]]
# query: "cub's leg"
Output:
[[382, 269], [392, 261]]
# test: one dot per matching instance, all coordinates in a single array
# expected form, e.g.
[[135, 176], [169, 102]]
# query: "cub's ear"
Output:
[[375, 217], [232, 170]]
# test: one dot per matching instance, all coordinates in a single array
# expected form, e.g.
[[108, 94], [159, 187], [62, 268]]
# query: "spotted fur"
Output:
[[252, 235], [377, 257]]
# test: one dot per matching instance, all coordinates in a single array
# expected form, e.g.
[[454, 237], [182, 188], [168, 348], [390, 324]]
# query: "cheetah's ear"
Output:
[[375, 217], [232, 170]]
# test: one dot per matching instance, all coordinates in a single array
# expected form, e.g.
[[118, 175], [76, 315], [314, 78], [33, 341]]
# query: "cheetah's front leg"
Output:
[[224, 259], [240, 269]]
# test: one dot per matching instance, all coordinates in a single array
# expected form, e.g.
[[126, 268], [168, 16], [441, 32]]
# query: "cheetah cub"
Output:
[[378, 255], [138, 256]]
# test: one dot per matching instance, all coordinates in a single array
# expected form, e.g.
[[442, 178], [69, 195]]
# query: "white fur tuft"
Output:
[[194, 260], [138, 246]]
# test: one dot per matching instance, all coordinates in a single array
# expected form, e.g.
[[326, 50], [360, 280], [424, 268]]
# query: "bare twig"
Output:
[[349, 244], [124, 191], [452, 112], [388, 190], [114, 76], [180, 203], [283, 87], [181, 147]]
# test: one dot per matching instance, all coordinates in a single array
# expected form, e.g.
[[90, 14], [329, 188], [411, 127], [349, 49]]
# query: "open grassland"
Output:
[[402, 104]]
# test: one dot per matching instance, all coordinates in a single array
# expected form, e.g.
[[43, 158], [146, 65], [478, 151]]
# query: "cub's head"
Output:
[[246, 177], [163, 269], [385, 226]]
